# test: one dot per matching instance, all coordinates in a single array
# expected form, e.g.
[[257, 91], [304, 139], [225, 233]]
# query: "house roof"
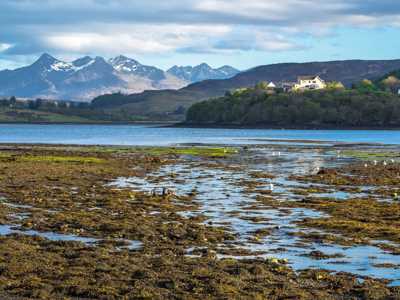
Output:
[[287, 84], [309, 77]]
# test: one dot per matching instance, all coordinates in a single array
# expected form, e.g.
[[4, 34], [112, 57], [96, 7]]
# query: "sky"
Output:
[[241, 33]]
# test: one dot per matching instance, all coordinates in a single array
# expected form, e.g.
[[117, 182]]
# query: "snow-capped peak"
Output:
[[202, 72], [47, 63], [124, 64], [61, 66]]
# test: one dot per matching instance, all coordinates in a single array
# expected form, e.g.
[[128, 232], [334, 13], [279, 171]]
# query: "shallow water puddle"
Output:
[[53, 236], [8, 229], [224, 199]]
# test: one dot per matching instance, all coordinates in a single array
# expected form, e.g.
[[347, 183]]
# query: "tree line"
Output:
[[68, 108]]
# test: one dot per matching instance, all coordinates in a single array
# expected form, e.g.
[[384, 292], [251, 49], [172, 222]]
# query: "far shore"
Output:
[[280, 127], [158, 123], [175, 124]]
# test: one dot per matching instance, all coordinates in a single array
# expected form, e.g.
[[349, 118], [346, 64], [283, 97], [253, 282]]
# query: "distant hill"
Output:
[[395, 73], [87, 77], [156, 103]]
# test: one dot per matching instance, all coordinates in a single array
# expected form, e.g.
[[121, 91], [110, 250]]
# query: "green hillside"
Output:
[[361, 107], [12, 115]]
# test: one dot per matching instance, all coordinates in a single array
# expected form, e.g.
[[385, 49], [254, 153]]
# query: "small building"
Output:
[[309, 83], [271, 85], [287, 86]]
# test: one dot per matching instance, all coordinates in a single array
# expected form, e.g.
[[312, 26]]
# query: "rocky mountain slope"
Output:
[[87, 77], [202, 72]]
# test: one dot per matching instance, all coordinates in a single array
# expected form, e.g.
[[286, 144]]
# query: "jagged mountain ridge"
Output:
[[87, 77], [202, 72]]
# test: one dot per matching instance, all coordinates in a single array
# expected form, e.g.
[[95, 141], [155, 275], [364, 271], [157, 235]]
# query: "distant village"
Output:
[[304, 83], [312, 82]]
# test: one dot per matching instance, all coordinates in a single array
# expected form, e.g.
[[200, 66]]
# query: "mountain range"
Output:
[[172, 103], [202, 72], [87, 77]]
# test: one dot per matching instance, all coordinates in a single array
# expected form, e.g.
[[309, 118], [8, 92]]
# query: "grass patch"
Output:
[[4, 155], [63, 159], [193, 151], [365, 155]]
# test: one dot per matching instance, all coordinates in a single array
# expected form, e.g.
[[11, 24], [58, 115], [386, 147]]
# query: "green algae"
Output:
[[62, 159], [369, 155], [32, 157], [192, 151], [5, 155]]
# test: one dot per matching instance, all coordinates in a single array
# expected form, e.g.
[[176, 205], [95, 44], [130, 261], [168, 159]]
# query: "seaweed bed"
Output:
[[131, 223]]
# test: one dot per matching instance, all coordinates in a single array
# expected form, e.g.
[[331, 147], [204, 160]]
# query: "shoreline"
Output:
[[91, 123], [274, 127], [173, 124], [267, 142]]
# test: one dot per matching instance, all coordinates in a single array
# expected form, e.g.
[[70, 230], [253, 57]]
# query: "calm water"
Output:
[[151, 135]]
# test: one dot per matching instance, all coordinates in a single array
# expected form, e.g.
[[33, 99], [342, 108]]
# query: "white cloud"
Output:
[[92, 42], [249, 9], [4, 46], [136, 38], [157, 26], [276, 44]]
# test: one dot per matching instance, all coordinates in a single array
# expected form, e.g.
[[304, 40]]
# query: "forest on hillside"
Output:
[[365, 105]]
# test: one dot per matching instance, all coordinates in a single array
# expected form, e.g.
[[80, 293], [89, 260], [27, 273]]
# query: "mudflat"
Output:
[[200, 222]]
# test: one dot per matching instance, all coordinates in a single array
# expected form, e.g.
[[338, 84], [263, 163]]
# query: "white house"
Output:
[[271, 85], [309, 83]]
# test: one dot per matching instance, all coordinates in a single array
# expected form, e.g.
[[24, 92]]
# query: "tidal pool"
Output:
[[226, 200], [7, 229]]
